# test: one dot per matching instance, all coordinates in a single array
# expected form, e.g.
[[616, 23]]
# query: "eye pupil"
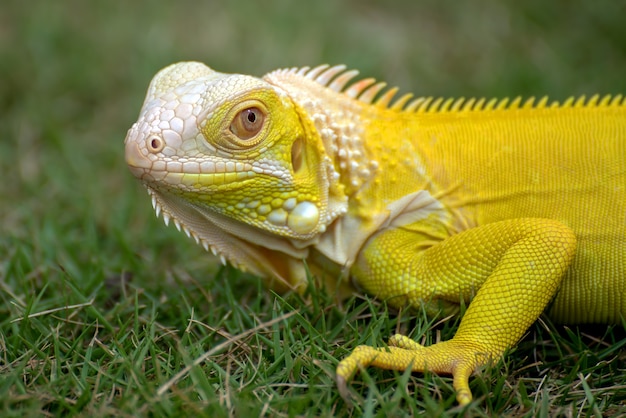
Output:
[[251, 116]]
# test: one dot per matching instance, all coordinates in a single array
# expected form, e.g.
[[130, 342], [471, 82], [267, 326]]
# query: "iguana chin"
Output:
[[510, 205]]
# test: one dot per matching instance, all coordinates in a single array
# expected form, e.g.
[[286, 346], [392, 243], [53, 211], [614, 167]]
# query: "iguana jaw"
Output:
[[225, 239]]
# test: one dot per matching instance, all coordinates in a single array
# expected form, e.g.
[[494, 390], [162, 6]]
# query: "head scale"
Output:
[[230, 158]]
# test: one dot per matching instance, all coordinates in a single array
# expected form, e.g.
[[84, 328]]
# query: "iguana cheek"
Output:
[[278, 217], [304, 218], [301, 218]]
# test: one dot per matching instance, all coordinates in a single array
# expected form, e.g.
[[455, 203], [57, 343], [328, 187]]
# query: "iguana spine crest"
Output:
[[368, 91]]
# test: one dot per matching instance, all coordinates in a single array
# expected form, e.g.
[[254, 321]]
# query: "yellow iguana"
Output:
[[512, 206]]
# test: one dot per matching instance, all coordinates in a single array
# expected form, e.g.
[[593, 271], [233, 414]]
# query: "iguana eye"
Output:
[[247, 123]]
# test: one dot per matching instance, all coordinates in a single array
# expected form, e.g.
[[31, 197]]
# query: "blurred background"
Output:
[[73, 75]]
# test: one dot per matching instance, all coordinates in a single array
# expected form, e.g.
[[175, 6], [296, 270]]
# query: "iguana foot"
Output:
[[459, 359]]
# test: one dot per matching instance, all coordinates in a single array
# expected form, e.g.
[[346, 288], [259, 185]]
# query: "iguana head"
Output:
[[233, 161]]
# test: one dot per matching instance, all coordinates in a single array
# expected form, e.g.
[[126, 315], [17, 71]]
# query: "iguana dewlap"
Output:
[[512, 205]]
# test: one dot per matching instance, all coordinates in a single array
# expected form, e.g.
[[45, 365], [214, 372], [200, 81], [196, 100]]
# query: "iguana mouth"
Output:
[[187, 172]]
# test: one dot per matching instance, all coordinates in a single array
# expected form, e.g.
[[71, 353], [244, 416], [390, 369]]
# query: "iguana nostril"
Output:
[[155, 144]]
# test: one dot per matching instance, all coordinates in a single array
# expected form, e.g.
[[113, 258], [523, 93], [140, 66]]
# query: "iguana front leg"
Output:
[[513, 268]]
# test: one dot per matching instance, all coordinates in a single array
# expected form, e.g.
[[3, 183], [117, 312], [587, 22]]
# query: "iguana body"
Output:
[[509, 206]]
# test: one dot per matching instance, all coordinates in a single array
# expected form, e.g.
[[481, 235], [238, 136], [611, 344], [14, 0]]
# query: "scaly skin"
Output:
[[433, 203]]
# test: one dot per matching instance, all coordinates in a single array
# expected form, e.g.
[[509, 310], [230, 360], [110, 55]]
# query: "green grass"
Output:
[[104, 311]]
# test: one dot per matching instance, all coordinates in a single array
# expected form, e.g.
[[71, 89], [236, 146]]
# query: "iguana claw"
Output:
[[402, 353]]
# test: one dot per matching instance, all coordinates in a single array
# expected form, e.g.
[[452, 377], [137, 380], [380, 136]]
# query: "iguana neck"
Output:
[[340, 122], [342, 118]]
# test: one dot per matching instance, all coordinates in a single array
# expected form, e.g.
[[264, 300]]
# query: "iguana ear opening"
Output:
[[296, 154]]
